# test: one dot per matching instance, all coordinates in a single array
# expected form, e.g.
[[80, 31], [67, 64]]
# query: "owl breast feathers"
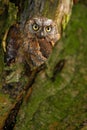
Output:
[[37, 40]]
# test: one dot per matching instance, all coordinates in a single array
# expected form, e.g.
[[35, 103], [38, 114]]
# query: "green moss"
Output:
[[62, 104], [12, 14], [50, 9], [5, 105], [7, 18]]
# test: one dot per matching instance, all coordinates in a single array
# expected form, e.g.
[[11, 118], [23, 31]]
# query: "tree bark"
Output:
[[58, 100]]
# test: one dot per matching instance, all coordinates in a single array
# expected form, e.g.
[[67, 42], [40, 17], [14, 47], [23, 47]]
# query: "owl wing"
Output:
[[37, 51], [45, 47], [31, 53], [13, 43]]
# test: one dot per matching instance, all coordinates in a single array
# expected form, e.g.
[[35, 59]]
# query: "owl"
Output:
[[34, 45], [27, 49]]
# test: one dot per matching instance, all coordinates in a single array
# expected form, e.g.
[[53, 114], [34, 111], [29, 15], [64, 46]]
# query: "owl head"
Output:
[[42, 28]]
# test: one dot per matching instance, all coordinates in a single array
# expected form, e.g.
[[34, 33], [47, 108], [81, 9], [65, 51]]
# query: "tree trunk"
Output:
[[57, 95]]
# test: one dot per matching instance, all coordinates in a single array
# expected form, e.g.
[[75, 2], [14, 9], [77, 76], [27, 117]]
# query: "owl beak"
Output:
[[42, 35]]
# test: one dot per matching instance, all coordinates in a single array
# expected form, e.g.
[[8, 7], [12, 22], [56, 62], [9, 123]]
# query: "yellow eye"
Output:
[[48, 28], [35, 27]]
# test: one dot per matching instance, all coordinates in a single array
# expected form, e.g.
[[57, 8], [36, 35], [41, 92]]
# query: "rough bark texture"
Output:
[[60, 102]]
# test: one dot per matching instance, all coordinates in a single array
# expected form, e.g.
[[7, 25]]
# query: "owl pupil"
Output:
[[35, 26], [48, 28]]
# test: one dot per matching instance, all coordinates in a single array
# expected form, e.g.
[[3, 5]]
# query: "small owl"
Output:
[[26, 51], [37, 40]]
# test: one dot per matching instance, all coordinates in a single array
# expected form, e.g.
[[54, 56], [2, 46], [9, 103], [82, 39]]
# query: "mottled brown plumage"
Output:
[[13, 43], [34, 44], [27, 51]]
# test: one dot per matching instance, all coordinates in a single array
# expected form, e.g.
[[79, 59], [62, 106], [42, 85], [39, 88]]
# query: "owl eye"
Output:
[[35, 27], [48, 28]]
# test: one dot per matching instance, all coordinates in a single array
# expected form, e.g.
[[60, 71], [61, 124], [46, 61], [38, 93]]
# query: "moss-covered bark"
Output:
[[61, 103]]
